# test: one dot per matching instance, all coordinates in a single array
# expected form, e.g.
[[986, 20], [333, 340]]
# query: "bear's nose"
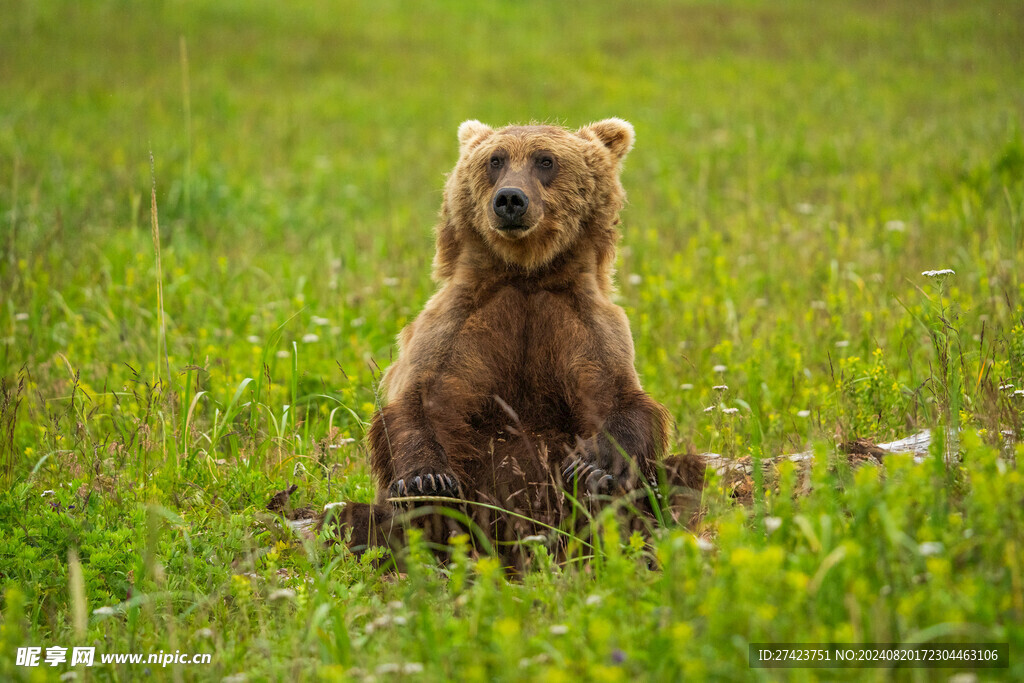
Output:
[[510, 204]]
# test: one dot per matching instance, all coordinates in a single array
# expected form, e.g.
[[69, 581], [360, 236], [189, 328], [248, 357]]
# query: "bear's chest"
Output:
[[532, 342], [532, 328]]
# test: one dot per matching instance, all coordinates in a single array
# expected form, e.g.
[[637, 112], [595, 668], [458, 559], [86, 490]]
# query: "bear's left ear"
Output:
[[615, 134], [472, 131]]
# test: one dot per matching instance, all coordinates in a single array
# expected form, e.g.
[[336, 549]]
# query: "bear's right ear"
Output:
[[615, 134], [471, 132]]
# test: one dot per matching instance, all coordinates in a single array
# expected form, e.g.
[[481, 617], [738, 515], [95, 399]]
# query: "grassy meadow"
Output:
[[797, 167]]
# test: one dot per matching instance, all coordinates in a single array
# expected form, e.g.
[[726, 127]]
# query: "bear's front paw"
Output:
[[426, 483], [589, 477]]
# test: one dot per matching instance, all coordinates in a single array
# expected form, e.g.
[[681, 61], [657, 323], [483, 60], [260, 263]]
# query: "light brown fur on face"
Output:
[[579, 207], [516, 381]]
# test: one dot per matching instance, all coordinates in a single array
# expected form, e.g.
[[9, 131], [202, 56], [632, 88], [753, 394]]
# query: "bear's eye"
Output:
[[545, 162], [496, 161]]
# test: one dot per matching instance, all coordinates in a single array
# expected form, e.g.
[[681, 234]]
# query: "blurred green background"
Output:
[[797, 166]]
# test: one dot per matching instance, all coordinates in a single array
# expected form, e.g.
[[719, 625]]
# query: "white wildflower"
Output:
[[842, 344], [686, 387], [412, 668], [1018, 392], [594, 599], [635, 279], [939, 273], [536, 538], [21, 316], [803, 413], [317, 320], [282, 594], [391, 281], [772, 523], [358, 322], [104, 611], [1005, 387], [721, 387], [252, 339], [558, 630], [730, 411], [895, 226], [282, 354], [704, 544], [719, 368], [380, 622], [964, 677], [930, 548], [204, 633], [310, 338], [709, 409]]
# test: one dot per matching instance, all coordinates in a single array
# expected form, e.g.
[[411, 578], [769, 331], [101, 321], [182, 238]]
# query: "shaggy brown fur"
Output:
[[516, 383]]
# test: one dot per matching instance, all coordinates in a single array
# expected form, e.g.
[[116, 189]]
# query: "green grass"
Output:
[[797, 167]]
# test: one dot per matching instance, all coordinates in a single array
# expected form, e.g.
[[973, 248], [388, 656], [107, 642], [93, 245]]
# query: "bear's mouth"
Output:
[[514, 228]]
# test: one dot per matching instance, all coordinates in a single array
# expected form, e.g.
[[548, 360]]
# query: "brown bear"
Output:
[[515, 389]]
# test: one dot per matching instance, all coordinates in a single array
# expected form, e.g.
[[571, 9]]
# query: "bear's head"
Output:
[[525, 195]]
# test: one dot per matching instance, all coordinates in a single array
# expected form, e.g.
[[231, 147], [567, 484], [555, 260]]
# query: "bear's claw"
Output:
[[426, 484], [594, 479]]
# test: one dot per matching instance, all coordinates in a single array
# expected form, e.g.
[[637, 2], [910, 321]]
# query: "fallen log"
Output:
[[917, 445]]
